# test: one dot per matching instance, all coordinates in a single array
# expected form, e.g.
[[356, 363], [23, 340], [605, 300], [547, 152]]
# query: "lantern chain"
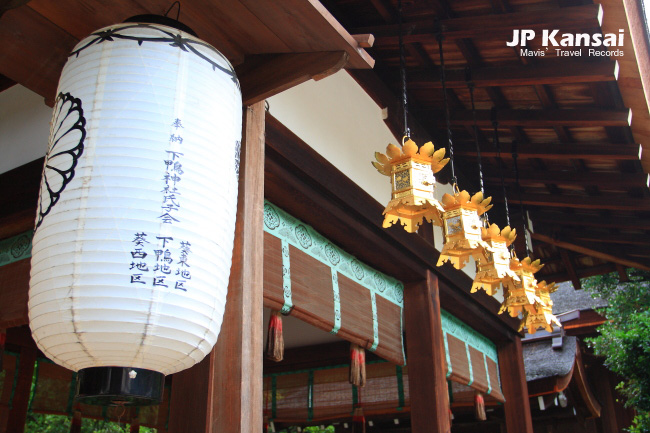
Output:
[[515, 155], [495, 125], [402, 64], [443, 81], [470, 86]]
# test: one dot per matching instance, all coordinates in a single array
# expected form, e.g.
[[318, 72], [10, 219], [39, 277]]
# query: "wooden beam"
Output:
[[365, 41], [235, 401], [263, 76], [20, 402], [6, 83], [14, 287], [623, 277], [543, 72], [586, 151], [478, 26], [188, 406], [588, 220], [515, 389], [316, 356], [545, 118], [35, 58], [223, 393], [604, 180], [568, 265], [426, 357], [581, 380], [309, 26], [588, 251], [612, 238], [605, 201]]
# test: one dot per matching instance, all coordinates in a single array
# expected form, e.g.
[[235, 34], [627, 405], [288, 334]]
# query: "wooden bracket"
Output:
[[262, 76]]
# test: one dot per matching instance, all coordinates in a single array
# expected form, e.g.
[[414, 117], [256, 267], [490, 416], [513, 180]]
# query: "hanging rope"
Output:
[[470, 86], [446, 105], [515, 155], [495, 125], [402, 64]]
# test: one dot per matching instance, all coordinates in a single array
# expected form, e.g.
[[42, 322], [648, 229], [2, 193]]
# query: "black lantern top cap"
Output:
[[162, 20]]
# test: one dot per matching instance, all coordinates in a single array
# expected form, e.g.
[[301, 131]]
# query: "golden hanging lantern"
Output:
[[412, 182], [520, 293], [493, 261], [462, 227], [543, 317]]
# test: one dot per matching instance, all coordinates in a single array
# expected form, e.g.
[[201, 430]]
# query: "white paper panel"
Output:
[[132, 250]]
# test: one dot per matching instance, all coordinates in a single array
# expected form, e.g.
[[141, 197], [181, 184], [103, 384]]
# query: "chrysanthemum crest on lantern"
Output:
[[520, 294], [493, 261], [412, 183], [462, 226]]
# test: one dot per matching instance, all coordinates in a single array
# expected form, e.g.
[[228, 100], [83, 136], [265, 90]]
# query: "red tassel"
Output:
[[75, 425], [3, 340], [357, 365], [274, 340], [479, 406], [358, 420]]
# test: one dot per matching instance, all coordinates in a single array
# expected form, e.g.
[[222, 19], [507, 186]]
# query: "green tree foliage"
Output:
[[41, 423], [625, 338], [310, 429]]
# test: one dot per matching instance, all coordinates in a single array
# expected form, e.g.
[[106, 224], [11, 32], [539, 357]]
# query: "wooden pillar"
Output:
[[236, 373], [223, 393], [20, 402], [426, 357], [515, 389]]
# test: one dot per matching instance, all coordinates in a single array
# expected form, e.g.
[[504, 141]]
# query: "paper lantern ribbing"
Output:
[[462, 227], [412, 181], [134, 233], [493, 261]]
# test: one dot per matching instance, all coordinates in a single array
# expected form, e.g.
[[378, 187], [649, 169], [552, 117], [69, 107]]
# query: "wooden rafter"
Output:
[[545, 118], [622, 274], [605, 201], [612, 238], [588, 251], [607, 180], [568, 264], [590, 220], [548, 72], [586, 151], [576, 17], [582, 273]]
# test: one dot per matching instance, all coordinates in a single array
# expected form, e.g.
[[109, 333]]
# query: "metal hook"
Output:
[[178, 14]]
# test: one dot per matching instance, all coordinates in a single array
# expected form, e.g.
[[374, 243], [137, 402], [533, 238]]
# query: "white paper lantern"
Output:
[[134, 233]]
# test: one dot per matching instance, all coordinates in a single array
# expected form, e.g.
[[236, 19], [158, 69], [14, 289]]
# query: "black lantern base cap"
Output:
[[119, 386]]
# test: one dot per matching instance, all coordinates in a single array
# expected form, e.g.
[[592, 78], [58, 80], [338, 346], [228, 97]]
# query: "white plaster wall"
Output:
[[341, 122], [24, 127]]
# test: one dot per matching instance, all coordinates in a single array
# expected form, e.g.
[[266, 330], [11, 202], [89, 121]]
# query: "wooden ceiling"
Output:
[[581, 170], [582, 178], [273, 45]]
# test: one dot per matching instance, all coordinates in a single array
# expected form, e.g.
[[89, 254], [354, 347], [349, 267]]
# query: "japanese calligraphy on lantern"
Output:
[[163, 261]]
